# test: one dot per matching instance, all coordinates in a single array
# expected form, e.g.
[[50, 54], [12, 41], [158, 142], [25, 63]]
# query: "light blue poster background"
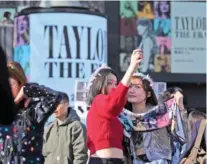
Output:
[[188, 52], [162, 27], [22, 55]]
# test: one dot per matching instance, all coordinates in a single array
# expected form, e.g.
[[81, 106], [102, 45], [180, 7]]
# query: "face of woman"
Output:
[[164, 7], [22, 25], [15, 86], [111, 82], [136, 92], [141, 29]]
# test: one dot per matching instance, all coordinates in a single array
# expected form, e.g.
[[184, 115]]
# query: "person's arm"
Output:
[[184, 117], [113, 103], [43, 101], [183, 112], [80, 151]]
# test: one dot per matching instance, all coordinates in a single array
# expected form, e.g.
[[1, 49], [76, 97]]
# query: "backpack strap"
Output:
[[196, 147], [47, 130]]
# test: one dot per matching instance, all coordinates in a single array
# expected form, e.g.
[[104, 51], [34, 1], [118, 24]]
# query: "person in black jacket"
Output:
[[22, 141]]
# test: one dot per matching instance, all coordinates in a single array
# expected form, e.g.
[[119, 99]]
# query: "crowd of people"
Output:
[[126, 123]]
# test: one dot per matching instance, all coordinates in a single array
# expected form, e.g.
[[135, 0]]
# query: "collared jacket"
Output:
[[65, 143]]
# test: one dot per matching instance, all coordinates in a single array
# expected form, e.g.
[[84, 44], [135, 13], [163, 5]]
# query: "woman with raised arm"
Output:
[[106, 100], [22, 141], [149, 127]]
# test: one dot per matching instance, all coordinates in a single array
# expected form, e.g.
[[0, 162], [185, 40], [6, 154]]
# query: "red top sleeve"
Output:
[[111, 104]]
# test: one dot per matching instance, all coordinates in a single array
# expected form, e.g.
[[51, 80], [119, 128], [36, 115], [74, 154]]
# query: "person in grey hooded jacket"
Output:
[[65, 138]]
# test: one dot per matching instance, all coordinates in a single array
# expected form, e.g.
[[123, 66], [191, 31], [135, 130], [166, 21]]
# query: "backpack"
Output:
[[197, 154]]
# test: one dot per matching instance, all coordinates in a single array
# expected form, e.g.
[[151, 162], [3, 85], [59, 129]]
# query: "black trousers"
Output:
[[93, 160]]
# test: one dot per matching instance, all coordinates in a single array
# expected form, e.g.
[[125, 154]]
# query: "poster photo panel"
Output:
[[128, 26], [162, 27], [159, 88], [164, 45], [162, 63], [145, 10], [162, 9], [22, 56], [128, 9], [146, 40], [128, 43], [21, 28], [124, 61], [80, 103], [82, 86]]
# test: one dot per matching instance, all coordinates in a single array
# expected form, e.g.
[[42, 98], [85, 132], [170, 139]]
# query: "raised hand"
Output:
[[20, 96], [179, 100], [136, 58]]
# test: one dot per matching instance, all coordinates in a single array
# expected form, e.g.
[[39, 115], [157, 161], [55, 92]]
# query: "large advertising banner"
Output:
[[188, 37], [171, 35], [66, 50]]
